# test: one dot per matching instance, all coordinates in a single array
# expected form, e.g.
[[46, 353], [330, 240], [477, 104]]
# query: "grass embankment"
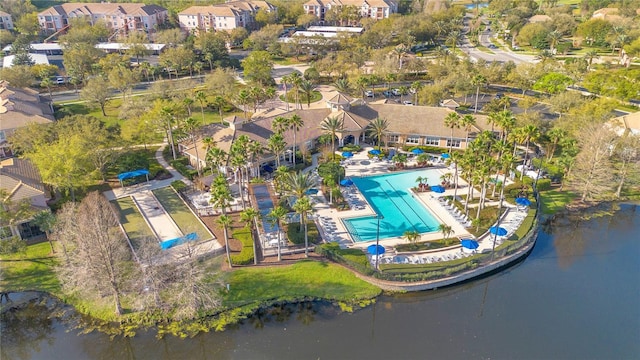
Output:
[[554, 200], [180, 213], [32, 270], [303, 279]]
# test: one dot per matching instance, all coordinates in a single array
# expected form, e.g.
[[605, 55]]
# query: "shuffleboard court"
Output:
[[159, 220]]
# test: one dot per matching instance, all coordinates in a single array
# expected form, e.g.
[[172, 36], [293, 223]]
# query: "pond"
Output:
[[574, 297]]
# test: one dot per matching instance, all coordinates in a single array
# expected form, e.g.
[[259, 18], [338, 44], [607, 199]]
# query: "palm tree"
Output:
[[556, 135], [286, 80], [403, 91], [506, 121], [276, 145], [544, 56], [342, 85], [276, 216], [248, 216], [303, 207], [295, 123], [297, 184], [216, 158], [219, 102], [201, 97], [411, 236], [452, 121], [589, 56], [278, 178], [331, 125], [467, 123], [255, 150], [378, 128], [532, 133], [455, 158], [453, 38], [415, 88], [190, 126], [554, 37], [307, 88], [187, 102], [446, 231], [478, 81], [400, 160], [243, 99], [225, 221], [279, 124], [296, 80], [362, 82], [221, 198]]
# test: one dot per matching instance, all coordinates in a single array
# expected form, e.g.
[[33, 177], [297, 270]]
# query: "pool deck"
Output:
[[360, 165]]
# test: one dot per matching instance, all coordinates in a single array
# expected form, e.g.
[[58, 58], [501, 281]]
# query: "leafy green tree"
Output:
[[552, 83], [123, 79], [96, 92], [595, 31], [213, 48], [257, 68], [45, 221]]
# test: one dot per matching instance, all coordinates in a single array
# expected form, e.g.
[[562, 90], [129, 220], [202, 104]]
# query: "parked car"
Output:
[[368, 93], [395, 92], [491, 46], [387, 93], [59, 80], [406, 102], [499, 95]]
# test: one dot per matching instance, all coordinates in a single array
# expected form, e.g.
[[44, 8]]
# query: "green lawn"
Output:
[[131, 220], [30, 271], [553, 201], [180, 213], [305, 278]]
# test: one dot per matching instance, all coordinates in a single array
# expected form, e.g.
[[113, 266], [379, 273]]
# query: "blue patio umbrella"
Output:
[[500, 231], [375, 152], [417, 151], [311, 191], [523, 201], [437, 189], [346, 182], [445, 156], [375, 249], [469, 244], [347, 154]]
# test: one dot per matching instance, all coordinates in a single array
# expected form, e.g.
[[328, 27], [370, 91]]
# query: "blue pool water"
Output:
[[390, 196]]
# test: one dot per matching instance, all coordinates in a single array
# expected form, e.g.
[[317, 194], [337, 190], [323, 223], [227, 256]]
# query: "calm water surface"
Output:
[[575, 297]]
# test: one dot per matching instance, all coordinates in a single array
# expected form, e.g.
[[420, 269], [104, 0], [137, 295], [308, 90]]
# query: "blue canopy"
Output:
[[167, 244], [131, 174], [417, 151], [523, 201], [500, 231], [347, 154], [445, 156], [469, 244], [375, 152], [311, 191], [346, 182], [375, 249], [437, 189]]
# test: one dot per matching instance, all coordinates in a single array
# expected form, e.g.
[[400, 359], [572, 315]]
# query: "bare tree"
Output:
[[592, 176], [98, 252], [196, 289], [627, 161]]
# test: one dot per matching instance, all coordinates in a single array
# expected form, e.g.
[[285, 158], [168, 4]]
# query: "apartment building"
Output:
[[123, 17], [5, 21], [227, 16], [374, 9]]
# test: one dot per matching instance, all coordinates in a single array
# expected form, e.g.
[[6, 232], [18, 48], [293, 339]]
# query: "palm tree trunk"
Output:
[[306, 235], [279, 240]]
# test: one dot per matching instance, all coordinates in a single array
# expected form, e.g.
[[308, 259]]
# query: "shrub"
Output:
[[544, 184], [297, 237], [178, 185], [353, 258], [352, 148], [181, 165], [13, 245], [245, 256]]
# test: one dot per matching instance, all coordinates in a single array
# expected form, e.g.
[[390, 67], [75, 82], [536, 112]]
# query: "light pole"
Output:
[[378, 216]]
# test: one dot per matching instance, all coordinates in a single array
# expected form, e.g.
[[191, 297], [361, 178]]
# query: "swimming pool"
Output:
[[390, 195]]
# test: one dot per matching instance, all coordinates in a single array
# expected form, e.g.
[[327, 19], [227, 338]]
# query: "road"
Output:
[[497, 55]]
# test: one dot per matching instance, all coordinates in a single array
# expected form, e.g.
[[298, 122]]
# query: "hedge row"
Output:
[[353, 258], [245, 256], [297, 237]]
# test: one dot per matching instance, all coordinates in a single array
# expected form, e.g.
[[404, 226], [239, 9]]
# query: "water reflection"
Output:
[[576, 291]]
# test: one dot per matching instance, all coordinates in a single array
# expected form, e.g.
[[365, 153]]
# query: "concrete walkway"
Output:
[[150, 185], [157, 218]]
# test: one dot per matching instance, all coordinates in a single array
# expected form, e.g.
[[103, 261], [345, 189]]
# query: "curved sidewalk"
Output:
[[151, 184]]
